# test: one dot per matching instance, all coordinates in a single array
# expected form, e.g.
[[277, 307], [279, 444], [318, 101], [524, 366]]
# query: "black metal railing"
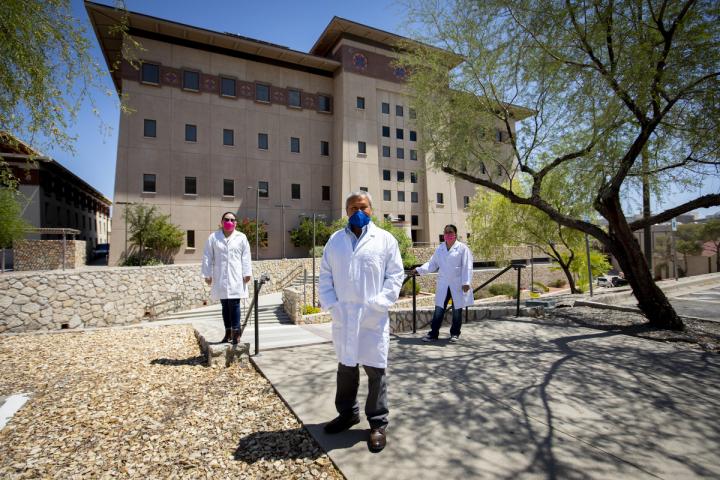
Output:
[[264, 278]]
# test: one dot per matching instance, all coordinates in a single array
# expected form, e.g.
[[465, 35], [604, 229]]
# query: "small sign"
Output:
[[673, 224]]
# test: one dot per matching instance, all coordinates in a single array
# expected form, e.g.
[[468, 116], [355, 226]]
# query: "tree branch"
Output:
[[710, 200]]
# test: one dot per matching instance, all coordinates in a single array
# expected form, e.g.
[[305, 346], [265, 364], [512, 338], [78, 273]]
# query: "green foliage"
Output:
[[407, 290], [12, 225], [135, 260], [559, 283], [599, 265], [318, 251], [482, 293], [151, 234], [248, 227], [310, 310], [541, 287], [404, 242], [302, 236], [503, 289]]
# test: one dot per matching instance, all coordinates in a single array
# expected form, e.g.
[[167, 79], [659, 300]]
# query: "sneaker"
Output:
[[454, 338], [428, 338]]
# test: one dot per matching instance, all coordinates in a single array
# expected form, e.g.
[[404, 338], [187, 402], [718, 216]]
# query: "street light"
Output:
[[314, 217], [283, 207], [257, 219]]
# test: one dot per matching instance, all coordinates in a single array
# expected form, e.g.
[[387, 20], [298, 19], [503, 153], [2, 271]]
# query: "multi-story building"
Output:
[[55, 197], [223, 122]]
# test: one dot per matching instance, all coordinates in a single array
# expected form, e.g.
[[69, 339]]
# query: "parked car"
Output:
[[101, 250], [608, 280]]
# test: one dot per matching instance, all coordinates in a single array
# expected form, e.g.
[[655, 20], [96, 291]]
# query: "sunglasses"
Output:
[[229, 220]]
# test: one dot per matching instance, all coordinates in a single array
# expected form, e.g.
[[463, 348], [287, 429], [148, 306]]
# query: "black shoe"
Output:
[[428, 338], [340, 424], [226, 338], [235, 336], [377, 440]]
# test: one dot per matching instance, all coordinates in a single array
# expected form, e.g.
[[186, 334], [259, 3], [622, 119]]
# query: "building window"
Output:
[[295, 191], [191, 80], [150, 73], [227, 87], [360, 103], [413, 136], [190, 186], [190, 239], [440, 198], [150, 128], [400, 153], [386, 131], [323, 103], [294, 144], [412, 113], [362, 148], [293, 98], [263, 141], [414, 220], [190, 133], [228, 187], [324, 148], [228, 137], [387, 195], [263, 189], [400, 176], [413, 177], [326, 193], [413, 154], [401, 196], [399, 110], [399, 134], [385, 108], [386, 175], [149, 184], [387, 217], [262, 93], [401, 217], [363, 189], [386, 151], [466, 201]]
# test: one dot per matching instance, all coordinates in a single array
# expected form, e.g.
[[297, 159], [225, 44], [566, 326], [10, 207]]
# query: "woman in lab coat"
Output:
[[454, 264], [227, 268]]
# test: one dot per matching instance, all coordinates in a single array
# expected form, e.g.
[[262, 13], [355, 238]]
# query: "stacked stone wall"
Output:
[[48, 254]]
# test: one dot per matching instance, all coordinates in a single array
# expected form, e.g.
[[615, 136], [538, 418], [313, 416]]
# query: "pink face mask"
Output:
[[228, 226], [449, 237]]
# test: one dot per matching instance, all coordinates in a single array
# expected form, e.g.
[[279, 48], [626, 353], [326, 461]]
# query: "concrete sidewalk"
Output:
[[518, 399]]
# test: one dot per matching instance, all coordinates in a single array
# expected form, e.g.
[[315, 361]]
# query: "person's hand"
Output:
[[466, 288], [246, 279], [208, 281], [414, 271]]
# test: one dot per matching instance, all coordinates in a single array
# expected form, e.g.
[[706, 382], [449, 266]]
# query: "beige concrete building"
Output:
[[227, 123]]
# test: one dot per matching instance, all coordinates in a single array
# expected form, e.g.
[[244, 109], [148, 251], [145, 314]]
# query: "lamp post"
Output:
[[283, 207], [314, 217], [257, 219]]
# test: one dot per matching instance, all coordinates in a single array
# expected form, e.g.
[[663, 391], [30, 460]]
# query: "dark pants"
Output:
[[440, 314], [231, 313], [348, 382]]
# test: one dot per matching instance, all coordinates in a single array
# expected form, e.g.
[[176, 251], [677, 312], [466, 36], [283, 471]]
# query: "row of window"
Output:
[[385, 108], [150, 186], [414, 219], [150, 73], [400, 176], [399, 133], [399, 151], [387, 196]]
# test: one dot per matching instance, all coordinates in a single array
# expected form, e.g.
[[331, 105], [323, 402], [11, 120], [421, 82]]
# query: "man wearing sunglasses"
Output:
[[227, 268]]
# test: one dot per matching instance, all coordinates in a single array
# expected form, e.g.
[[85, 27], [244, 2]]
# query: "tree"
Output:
[[600, 82], [710, 233], [302, 236], [165, 239], [12, 225], [248, 227], [689, 241], [152, 235]]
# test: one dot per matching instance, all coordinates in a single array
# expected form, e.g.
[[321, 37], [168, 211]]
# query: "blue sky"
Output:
[[294, 24]]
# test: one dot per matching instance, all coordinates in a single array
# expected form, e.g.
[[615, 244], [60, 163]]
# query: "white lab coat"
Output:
[[227, 261], [358, 287], [455, 269]]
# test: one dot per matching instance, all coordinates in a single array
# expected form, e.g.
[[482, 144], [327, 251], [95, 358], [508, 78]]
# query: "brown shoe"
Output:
[[377, 439], [235, 336]]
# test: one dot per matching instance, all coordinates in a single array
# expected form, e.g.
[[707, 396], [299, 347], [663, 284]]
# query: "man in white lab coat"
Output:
[[454, 263], [360, 278], [227, 268]]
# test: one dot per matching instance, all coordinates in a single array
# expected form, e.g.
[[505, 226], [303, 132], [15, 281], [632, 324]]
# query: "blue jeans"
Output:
[[440, 314], [231, 313]]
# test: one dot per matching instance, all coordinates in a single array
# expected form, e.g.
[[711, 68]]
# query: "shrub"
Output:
[[406, 290], [481, 294], [540, 286], [309, 310], [137, 260], [559, 283], [503, 289]]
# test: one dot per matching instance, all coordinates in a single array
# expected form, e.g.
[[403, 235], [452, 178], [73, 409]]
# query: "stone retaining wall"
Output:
[[108, 296], [543, 273], [48, 254]]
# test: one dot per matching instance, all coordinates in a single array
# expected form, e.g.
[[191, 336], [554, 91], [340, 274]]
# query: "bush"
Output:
[[309, 310], [540, 286], [318, 251], [481, 294], [503, 289], [137, 260], [559, 283], [406, 290]]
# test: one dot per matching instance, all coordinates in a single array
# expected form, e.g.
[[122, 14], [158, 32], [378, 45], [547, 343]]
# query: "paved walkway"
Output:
[[518, 399]]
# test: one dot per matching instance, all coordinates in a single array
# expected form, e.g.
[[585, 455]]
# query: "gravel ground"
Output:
[[137, 403], [704, 334]]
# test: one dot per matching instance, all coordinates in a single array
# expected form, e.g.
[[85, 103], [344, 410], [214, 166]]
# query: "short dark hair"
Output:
[[453, 227], [231, 213]]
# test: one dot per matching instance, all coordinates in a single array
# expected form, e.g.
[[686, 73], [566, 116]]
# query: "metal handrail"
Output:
[[264, 278]]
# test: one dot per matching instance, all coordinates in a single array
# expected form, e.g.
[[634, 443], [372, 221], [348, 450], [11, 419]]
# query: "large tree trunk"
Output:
[[624, 246], [568, 275]]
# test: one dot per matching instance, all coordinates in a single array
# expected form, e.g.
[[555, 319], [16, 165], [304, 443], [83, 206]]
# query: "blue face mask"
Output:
[[359, 219]]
